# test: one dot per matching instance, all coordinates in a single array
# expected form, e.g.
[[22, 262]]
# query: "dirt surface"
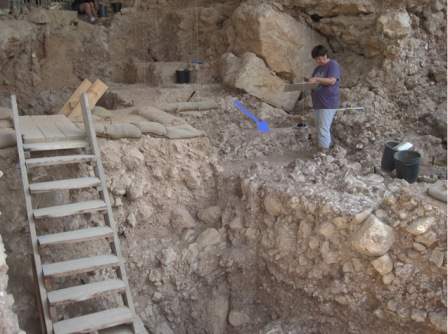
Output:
[[238, 231]]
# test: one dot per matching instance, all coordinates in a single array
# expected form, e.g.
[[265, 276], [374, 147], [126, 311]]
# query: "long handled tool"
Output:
[[262, 126]]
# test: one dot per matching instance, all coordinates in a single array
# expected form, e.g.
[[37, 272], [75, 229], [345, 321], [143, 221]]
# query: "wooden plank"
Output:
[[67, 184], [59, 160], [44, 311], [86, 264], [94, 93], [93, 233], [53, 146], [70, 209], [299, 86], [47, 125], [70, 130], [31, 133], [95, 321], [74, 99], [84, 292]]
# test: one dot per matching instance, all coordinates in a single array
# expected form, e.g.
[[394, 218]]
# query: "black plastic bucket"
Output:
[[116, 7], [408, 165], [387, 161], [182, 76]]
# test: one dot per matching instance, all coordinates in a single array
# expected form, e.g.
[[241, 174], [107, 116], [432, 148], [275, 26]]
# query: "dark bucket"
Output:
[[116, 6], [408, 165], [182, 76], [102, 11], [387, 161]]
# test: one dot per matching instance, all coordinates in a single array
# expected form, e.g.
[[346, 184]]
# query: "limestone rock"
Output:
[[427, 239], [437, 257], [133, 159], [251, 74], [438, 190], [438, 320], [181, 219], [373, 238], [211, 215], [383, 264], [208, 238], [282, 41], [273, 206], [420, 226], [395, 25], [237, 318]]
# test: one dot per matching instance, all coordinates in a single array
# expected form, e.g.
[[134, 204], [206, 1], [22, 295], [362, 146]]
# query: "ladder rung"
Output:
[[59, 160], [87, 234], [57, 145], [82, 265], [78, 183], [70, 209], [94, 321], [84, 292]]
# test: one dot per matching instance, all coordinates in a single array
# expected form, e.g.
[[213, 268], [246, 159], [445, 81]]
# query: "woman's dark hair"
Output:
[[319, 51]]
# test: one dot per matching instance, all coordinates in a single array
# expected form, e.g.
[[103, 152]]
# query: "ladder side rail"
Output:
[[32, 225], [104, 194]]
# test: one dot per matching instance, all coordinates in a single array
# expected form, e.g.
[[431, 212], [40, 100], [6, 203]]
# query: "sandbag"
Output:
[[102, 112], [151, 128], [7, 138], [183, 132], [5, 124], [5, 113], [156, 115], [117, 130], [187, 106], [438, 191]]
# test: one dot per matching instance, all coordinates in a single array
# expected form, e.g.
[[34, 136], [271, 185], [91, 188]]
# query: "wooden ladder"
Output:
[[44, 272]]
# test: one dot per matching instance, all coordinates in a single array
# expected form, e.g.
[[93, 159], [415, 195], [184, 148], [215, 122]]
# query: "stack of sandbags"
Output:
[[7, 133]]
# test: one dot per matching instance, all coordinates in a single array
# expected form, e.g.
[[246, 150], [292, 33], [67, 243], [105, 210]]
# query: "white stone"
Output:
[[208, 238], [383, 264], [327, 230], [237, 318], [362, 216], [373, 238], [418, 315], [421, 225], [437, 257], [273, 205], [211, 215], [181, 219], [427, 239], [131, 220], [395, 25]]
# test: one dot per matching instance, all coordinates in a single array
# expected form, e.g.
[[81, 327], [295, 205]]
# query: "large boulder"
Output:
[[373, 238], [251, 74], [283, 42], [395, 25]]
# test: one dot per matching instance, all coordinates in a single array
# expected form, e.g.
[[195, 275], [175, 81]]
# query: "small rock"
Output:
[[168, 257], [421, 225], [236, 224], [383, 264], [211, 215], [418, 315], [208, 238], [157, 296], [388, 278], [273, 206], [438, 320], [131, 220], [362, 216], [237, 319], [314, 243], [181, 219], [419, 247], [340, 222], [373, 238], [357, 265], [327, 230], [428, 239], [133, 159], [437, 257]]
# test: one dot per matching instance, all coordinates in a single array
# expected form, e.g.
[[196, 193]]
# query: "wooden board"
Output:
[[67, 184], [57, 145], [74, 99], [93, 233], [69, 209], [94, 93], [299, 86], [77, 266], [84, 292], [59, 160], [95, 321], [48, 128]]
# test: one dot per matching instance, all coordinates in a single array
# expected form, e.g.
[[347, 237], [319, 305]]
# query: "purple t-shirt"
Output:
[[327, 97]]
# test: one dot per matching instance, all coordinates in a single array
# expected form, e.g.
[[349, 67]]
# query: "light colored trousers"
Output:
[[324, 118]]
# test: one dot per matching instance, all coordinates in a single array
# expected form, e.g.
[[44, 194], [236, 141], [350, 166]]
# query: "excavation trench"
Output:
[[212, 251]]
